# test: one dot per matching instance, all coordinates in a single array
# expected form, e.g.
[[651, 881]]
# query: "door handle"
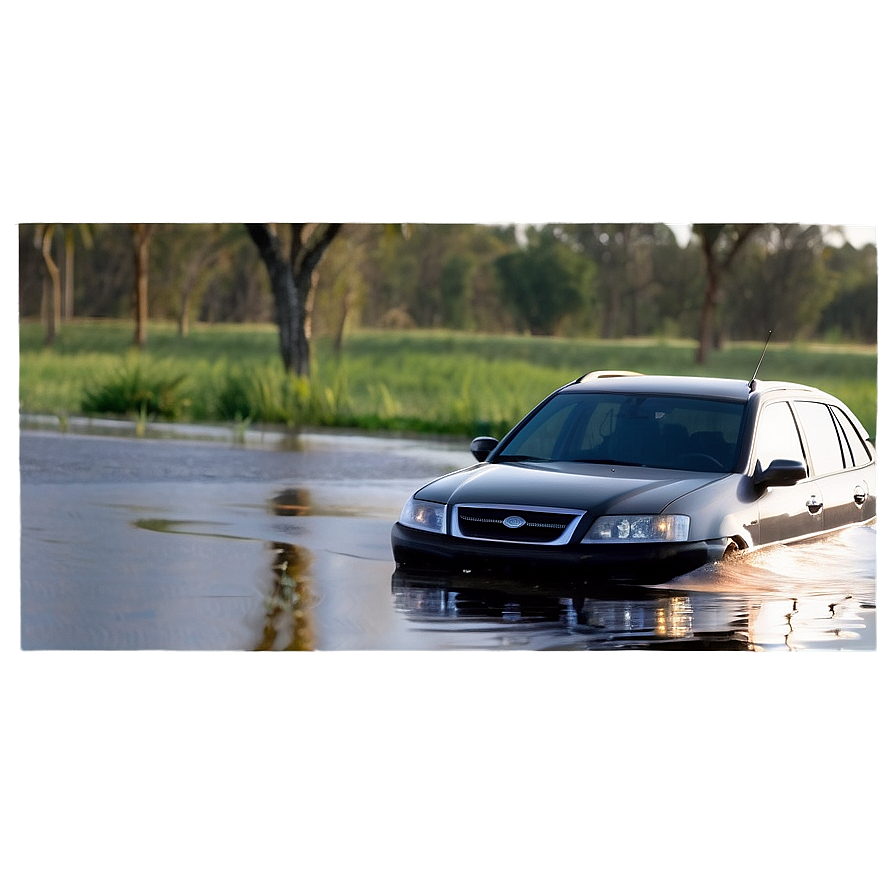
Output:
[[859, 495], [814, 504]]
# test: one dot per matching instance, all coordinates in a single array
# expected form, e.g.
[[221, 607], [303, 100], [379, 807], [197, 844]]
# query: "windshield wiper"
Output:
[[516, 458]]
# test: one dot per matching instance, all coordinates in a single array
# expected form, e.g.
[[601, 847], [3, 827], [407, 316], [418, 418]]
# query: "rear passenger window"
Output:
[[824, 441], [855, 444]]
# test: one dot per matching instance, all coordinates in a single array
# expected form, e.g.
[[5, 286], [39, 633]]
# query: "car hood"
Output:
[[602, 488]]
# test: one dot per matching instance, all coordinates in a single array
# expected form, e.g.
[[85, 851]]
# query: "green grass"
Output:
[[418, 381]]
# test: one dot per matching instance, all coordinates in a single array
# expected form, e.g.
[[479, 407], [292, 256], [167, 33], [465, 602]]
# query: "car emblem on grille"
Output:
[[514, 522]]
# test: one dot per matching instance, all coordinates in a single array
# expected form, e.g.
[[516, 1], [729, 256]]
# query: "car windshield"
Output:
[[669, 431]]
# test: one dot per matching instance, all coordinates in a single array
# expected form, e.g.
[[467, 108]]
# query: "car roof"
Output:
[[698, 386]]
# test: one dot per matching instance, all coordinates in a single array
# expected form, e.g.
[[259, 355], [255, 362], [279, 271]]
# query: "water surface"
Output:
[[283, 543]]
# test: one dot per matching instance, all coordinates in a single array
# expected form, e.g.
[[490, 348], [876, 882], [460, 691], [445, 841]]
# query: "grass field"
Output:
[[415, 381]]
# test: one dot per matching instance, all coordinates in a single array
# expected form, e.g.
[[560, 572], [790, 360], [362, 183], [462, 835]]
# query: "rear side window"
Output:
[[856, 452], [822, 433]]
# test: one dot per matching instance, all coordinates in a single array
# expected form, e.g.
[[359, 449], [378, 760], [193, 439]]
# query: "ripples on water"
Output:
[[819, 594]]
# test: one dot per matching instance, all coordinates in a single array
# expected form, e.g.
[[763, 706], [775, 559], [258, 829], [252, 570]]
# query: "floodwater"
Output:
[[203, 539]]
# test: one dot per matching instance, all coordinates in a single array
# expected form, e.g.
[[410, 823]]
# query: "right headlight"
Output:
[[426, 515], [638, 529]]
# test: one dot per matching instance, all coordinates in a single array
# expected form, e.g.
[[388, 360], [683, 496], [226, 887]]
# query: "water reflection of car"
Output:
[[631, 478], [536, 616]]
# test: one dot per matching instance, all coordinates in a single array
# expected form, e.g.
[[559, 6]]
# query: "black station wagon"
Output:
[[629, 478]]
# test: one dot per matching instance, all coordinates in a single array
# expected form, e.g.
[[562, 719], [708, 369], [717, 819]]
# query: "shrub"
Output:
[[270, 395], [134, 390]]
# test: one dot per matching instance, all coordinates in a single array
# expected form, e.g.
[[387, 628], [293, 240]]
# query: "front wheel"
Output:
[[732, 549]]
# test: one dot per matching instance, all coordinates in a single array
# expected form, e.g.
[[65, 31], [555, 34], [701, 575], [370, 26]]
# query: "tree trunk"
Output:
[[45, 244], [295, 357], [292, 277], [45, 300], [189, 287], [68, 298], [708, 314], [309, 305], [717, 265], [141, 234], [344, 310], [183, 321]]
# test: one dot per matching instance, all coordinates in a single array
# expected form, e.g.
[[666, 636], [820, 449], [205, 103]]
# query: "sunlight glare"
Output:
[[860, 235], [682, 232]]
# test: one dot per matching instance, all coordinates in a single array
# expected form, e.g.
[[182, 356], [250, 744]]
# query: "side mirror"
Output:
[[779, 473], [482, 447]]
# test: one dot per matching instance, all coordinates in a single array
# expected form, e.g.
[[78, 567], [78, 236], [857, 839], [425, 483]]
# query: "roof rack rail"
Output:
[[601, 374]]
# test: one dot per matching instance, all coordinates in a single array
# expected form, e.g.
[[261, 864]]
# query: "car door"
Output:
[[858, 451], [844, 484], [791, 511]]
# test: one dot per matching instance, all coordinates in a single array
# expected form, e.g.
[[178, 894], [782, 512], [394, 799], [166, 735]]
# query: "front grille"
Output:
[[516, 524]]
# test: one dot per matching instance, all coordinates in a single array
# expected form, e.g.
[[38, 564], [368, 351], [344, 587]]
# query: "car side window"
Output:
[[777, 437], [855, 444], [821, 432]]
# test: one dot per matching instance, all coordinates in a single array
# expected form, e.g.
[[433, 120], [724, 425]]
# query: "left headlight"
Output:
[[640, 529], [425, 515]]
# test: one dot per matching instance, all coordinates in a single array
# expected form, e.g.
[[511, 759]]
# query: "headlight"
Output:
[[424, 515], [639, 529]]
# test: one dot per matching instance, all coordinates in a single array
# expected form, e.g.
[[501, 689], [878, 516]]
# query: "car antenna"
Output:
[[753, 381]]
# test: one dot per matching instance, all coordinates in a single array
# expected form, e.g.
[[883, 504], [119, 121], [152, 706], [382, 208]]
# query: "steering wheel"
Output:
[[697, 455]]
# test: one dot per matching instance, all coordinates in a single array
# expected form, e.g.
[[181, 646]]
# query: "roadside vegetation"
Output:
[[419, 381], [603, 281]]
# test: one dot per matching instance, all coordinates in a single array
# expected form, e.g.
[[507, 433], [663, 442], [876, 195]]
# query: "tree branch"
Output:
[[265, 239], [741, 235], [296, 246], [314, 253]]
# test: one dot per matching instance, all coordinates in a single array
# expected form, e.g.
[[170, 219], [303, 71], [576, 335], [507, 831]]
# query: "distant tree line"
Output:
[[603, 280]]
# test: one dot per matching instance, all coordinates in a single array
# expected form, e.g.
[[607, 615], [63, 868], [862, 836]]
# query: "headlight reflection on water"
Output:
[[674, 618]]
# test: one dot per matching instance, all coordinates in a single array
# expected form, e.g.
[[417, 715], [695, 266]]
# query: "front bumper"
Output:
[[646, 564]]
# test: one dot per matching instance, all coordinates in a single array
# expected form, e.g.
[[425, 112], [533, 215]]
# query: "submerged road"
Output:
[[276, 542]]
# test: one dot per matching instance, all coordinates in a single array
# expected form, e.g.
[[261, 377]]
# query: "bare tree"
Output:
[[291, 263], [51, 304], [721, 244]]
